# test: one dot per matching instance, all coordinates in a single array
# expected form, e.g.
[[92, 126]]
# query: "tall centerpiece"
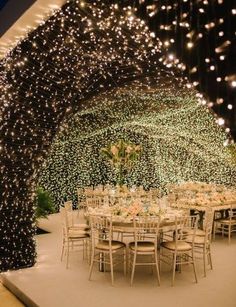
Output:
[[122, 156]]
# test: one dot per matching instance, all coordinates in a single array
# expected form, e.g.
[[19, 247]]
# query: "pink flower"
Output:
[[114, 150], [135, 209], [128, 149]]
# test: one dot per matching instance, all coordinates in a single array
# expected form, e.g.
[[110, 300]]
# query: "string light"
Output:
[[124, 113], [233, 83], [83, 50], [200, 30]]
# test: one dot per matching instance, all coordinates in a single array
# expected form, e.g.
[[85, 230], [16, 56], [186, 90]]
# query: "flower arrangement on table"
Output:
[[201, 194], [135, 209], [122, 156]]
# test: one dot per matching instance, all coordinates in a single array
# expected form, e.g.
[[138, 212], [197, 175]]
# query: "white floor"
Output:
[[50, 284]]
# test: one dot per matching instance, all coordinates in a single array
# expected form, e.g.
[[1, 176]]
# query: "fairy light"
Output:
[[233, 83], [221, 121], [83, 50], [125, 113], [190, 45], [201, 30]]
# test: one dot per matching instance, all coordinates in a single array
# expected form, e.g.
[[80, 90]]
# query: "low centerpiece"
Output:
[[122, 156], [124, 212]]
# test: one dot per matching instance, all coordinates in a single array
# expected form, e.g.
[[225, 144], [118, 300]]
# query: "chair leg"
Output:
[[229, 234], [194, 266], [204, 260], [210, 260], [91, 265], [125, 261], [111, 264], [214, 231], [83, 249], [67, 254], [63, 249], [174, 267], [133, 268], [157, 267]]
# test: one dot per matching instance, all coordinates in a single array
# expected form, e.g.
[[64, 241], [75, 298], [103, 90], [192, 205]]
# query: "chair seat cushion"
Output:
[[227, 221], [104, 245], [74, 234], [80, 226], [143, 246], [181, 246], [199, 232], [197, 240]]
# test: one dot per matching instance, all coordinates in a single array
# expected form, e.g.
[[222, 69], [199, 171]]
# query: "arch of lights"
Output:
[[66, 67]]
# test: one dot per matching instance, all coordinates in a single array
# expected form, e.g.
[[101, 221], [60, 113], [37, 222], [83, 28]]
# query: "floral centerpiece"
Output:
[[123, 212], [121, 156], [201, 194]]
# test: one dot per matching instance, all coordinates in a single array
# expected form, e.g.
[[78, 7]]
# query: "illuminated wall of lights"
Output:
[[82, 50], [179, 137]]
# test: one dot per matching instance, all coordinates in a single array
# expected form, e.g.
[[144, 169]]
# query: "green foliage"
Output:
[[44, 203]]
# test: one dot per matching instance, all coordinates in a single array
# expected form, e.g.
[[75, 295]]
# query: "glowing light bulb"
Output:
[[190, 45], [220, 121], [219, 100], [226, 142], [82, 4]]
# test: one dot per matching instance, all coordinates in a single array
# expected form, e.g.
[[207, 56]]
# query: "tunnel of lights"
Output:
[[90, 75], [179, 138]]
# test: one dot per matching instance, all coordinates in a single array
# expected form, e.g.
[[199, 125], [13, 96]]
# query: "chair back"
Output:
[[232, 212], [88, 191], [68, 206], [190, 225], [208, 224], [146, 228], [66, 222], [185, 229], [93, 202], [101, 228]]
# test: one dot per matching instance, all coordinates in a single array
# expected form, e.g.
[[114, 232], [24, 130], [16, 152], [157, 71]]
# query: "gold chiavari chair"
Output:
[[145, 244], [105, 250]]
